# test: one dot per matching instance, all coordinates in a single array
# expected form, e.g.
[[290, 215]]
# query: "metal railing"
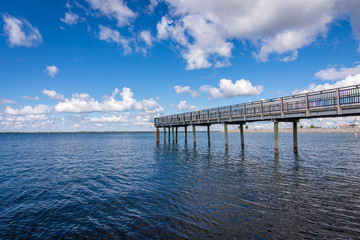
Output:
[[307, 102]]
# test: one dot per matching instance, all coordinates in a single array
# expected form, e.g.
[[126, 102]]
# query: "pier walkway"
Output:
[[338, 102]]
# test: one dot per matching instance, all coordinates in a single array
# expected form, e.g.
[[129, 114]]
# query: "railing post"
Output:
[[244, 111], [261, 110], [338, 101], [230, 113], [208, 115], [282, 107], [218, 114], [306, 104], [191, 118]]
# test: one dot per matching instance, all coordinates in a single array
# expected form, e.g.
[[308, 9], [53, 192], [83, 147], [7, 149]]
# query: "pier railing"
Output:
[[326, 103]]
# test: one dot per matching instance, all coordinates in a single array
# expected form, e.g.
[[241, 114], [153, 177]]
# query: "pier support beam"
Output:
[[226, 136], [164, 135], [176, 134], [276, 135], [173, 137], [242, 135], [208, 133], [157, 135], [194, 134], [295, 137], [169, 136], [185, 134]]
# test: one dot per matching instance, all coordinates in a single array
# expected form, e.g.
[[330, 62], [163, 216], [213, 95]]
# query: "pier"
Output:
[[338, 102]]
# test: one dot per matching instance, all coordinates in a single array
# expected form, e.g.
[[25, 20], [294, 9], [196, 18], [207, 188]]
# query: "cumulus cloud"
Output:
[[180, 90], [108, 119], [52, 70], [184, 106], [113, 9], [7, 101], [348, 81], [31, 98], [113, 36], [228, 89], [337, 73], [20, 32], [53, 95], [28, 110]]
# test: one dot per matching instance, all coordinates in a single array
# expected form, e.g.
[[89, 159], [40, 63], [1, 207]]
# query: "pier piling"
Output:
[[276, 136], [176, 134], [208, 133], [295, 137], [194, 134], [169, 136], [185, 134], [157, 136], [173, 138], [242, 135], [164, 135], [226, 136]]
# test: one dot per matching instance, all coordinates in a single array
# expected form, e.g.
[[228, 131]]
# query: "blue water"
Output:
[[122, 185]]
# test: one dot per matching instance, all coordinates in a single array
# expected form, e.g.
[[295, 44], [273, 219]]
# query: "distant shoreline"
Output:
[[284, 130]]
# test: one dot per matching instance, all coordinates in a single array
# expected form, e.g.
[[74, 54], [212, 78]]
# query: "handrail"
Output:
[[336, 97]]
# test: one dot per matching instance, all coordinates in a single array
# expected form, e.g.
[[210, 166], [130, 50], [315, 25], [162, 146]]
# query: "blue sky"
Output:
[[115, 64]]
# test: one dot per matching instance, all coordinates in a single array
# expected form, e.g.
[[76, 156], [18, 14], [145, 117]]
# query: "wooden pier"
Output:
[[338, 102]]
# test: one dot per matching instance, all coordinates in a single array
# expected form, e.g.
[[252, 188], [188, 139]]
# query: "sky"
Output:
[[113, 65]]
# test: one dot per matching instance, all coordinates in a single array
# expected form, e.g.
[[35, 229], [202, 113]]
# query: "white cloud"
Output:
[[53, 95], [205, 30], [108, 119], [113, 9], [228, 89], [71, 18], [145, 35], [52, 70], [83, 103], [20, 32], [184, 106], [113, 36], [7, 101], [337, 73], [179, 90], [28, 110], [31, 98], [348, 81]]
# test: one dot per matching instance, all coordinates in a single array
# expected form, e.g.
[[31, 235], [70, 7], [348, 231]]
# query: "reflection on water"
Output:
[[111, 185]]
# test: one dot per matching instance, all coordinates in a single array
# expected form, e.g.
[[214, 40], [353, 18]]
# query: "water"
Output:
[[121, 185]]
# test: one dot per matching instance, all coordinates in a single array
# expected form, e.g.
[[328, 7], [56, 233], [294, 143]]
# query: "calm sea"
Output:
[[122, 185]]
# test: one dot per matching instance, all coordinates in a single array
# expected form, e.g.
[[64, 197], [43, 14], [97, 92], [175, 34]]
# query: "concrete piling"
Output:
[[185, 134], [194, 134], [157, 135], [169, 136], [276, 136], [164, 135], [226, 136], [242, 136], [173, 138], [295, 137], [176, 135]]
